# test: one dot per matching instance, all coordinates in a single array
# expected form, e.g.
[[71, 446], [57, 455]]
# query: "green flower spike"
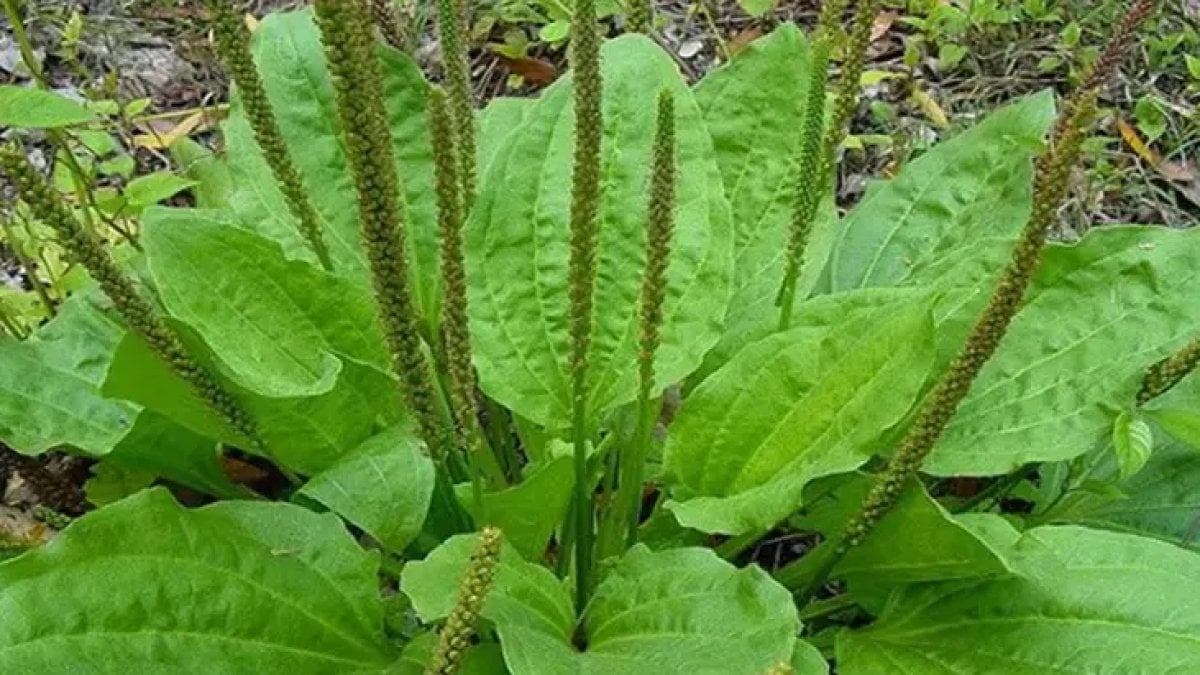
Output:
[[1050, 187], [849, 81], [641, 16], [387, 19], [233, 44], [452, 34], [660, 225], [455, 637], [1165, 374], [358, 83], [137, 313], [813, 171], [584, 231]]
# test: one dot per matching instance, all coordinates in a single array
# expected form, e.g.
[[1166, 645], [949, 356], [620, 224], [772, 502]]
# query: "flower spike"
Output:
[[1053, 169], [233, 44], [137, 313], [358, 83], [455, 636]]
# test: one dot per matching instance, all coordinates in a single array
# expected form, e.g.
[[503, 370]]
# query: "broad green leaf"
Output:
[[277, 325], [1132, 443], [30, 107], [307, 434], [677, 611], [918, 541], [382, 486], [499, 119], [754, 110], [1162, 500], [112, 482], [480, 659], [146, 585], [516, 243], [291, 61], [807, 660], [153, 188], [1098, 313], [49, 384], [529, 512], [213, 184], [1090, 602], [757, 8], [971, 188], [158, 446], [789, 409]]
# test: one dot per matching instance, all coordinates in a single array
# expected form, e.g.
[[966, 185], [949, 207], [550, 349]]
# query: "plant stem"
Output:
[[584, 226], [24, 45]]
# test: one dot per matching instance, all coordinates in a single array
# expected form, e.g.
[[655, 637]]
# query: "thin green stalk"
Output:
[[1050, 187], [24, 46], [233, 44], [660, 224], [584, 233]]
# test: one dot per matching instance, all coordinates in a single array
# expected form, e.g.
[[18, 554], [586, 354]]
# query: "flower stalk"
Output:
[[1051, 178], [584, 233], [455, 636], [386, 16], [455, 332], [452, 34], [358, 83], [1165, 374], [233, 44], [660, 225], [818, 143], [138, 314]]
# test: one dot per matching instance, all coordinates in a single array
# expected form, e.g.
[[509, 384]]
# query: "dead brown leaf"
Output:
[[745, 37], [883, 23], [535, 71]]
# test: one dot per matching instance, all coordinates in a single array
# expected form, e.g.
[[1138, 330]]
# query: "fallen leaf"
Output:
[[930, 107], [243, 473], [154, 140], [1181, 175], [745, 37], [535, 71], [883, 23]]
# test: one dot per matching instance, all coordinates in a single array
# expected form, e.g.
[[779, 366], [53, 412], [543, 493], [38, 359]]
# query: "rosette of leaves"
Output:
[[776, 431]]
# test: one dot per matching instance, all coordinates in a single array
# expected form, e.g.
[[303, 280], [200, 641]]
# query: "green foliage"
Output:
[[237, 587], [1053, 526], [1076, 606], [671, 611], [38, 109]]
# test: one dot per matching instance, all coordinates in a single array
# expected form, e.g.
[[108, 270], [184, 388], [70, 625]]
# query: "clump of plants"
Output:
[[602, 382]]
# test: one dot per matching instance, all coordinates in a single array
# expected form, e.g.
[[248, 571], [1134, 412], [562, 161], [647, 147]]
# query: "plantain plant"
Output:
[[601, 382]]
